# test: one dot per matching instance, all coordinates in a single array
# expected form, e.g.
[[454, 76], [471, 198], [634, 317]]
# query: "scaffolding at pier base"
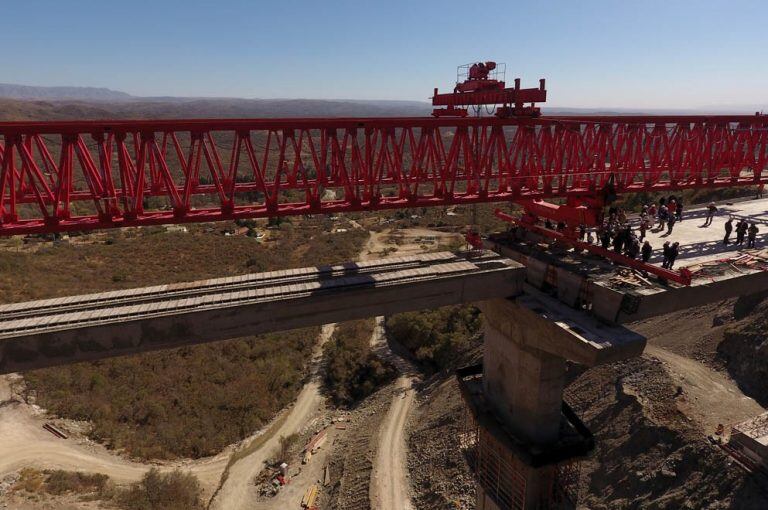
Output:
[[502, 463]]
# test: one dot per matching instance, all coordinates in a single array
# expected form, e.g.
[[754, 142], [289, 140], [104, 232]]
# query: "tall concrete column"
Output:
[[525, 387], [524, 384], [527, 342]]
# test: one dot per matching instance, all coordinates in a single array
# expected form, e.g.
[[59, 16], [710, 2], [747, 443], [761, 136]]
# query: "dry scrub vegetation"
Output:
[[438, 339], [352, 371], [155, 491], [187, 402]]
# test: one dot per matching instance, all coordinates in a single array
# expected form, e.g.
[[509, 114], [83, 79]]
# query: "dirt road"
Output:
[[390, 488], [686, 343], [238, 490], [23, 443], [710, 397], [407, 241], [389, 485], [389, 481]]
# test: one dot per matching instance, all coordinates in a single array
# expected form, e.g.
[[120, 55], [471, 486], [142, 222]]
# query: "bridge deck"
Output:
[[62, 330], [592, 282]]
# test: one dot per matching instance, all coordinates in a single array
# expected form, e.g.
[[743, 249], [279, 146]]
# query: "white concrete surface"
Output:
[[699, 243]]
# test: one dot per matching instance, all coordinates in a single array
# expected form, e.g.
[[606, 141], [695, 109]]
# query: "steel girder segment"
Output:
[[64, 176]]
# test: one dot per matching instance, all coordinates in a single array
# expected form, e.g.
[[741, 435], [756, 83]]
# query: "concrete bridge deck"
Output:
[[48, 332], [591, 282]]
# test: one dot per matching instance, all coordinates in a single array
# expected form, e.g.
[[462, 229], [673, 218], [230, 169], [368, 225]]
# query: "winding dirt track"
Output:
[[389, 484], [24, 443], [713, 397], [238, 491], [390, 488]]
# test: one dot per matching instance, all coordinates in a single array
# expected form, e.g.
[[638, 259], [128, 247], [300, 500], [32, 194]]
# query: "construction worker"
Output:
[[728, 230], [672, 206], [665, 250], [674, 251], [646, 251], [605, 239], [752, 235], [618, 242], [643, 225], [671, 223], [741, 231], [622, 216], [711, 210], [663, 216]]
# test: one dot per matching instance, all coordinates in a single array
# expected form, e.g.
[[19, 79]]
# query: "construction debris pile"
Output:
[[741, 262]]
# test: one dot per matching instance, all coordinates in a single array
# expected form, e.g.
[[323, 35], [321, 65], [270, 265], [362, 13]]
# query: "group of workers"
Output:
[[618, 234], [743, 229]]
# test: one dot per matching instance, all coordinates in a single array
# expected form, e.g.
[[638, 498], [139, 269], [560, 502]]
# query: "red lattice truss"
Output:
[[62, 176]]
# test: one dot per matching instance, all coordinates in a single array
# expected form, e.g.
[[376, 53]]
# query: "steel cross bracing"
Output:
[[62, 176]]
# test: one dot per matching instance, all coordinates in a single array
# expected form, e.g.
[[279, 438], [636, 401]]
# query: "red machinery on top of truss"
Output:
[[64, 176], [483, 85]]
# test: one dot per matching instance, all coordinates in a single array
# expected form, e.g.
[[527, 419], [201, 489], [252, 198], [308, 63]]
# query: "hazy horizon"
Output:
[[655, 54]]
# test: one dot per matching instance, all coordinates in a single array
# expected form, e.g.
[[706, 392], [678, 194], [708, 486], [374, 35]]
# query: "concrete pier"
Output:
[[528, 340]]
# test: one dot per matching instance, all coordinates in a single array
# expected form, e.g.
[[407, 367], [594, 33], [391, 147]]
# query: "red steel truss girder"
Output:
[[60, 176]]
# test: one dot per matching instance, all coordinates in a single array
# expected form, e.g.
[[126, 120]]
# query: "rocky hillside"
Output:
[[744, 348], [649, 453]]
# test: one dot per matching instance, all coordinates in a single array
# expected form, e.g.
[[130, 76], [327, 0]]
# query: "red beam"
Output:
[[62, 176], [683, 277]]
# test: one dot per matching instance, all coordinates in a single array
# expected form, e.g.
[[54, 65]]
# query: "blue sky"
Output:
[[639, 54]]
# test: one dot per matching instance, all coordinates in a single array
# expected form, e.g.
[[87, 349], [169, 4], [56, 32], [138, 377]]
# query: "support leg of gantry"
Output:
[[524, 437]]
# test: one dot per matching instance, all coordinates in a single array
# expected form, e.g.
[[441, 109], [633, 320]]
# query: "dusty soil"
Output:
[[23, 442], [686, 343], [351, 462], [47, 502], [389, 485], [649, 454], [693, 333], [410, 241], [744, 349], [302, 476], [439, 472]]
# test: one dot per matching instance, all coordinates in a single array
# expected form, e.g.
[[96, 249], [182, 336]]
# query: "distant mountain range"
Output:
[[13, 91], [93, 102], [30, 102]]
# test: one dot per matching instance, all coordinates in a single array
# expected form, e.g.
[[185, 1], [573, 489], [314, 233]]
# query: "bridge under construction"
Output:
[[541, 308]]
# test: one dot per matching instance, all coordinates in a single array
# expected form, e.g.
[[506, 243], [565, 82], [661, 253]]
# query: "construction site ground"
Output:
[[652, 418], [397, 449]]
